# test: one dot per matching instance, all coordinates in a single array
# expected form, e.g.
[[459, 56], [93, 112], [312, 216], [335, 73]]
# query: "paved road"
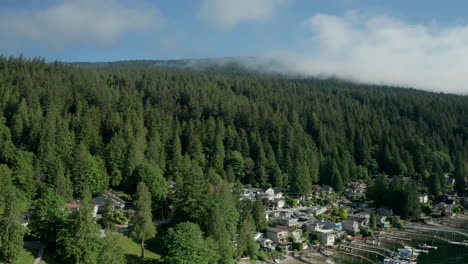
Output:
[[39, 255]]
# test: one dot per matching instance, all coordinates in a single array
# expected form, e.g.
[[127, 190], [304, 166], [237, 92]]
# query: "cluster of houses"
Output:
[[288, 224]]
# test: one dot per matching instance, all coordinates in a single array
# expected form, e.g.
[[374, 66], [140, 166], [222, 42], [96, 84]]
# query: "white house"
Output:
[[327, 236], [266, 243], [423, 198], [279, 203], [277, 235]]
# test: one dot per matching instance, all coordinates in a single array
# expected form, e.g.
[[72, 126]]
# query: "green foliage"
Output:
[[152, 176], [259, 215], [12, 232], [104, 127], [142, 224], [111, 251], [185, 244], [401, 196], [48, 218], [373, 221], [246, 245], [84, 247]]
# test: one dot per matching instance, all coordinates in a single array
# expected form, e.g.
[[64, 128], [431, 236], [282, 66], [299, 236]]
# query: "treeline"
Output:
[[71, 127], [74, 132]]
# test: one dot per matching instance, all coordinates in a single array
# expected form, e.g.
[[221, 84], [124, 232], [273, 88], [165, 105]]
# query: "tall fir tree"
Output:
[[142, 225]]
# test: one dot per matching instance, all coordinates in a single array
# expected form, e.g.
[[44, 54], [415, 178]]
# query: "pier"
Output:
[[353, 255]]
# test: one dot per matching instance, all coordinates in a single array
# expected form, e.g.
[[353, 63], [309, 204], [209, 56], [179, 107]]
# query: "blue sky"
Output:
[[350, 38]]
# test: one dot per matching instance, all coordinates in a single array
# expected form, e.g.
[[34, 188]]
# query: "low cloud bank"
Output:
[[384, 50], [228, 13], [70, 22]]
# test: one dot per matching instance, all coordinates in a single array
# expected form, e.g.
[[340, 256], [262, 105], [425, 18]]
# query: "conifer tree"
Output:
[[85, 246], [142, 225], [11, 230], [259, 215], [246, 245]]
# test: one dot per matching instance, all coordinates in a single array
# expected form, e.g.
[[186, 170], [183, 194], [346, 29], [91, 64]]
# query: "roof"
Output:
[[276, 230], [289, 229], [73, 204]]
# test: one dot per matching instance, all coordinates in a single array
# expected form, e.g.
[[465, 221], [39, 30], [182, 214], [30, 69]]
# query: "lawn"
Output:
[[132, 250], [26, 256]]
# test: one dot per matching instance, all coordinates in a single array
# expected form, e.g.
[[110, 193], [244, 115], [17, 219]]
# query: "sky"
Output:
[[418, 43]]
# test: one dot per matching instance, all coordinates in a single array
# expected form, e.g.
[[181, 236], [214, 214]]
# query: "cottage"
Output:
[[328, 189], [317, 190], [74, 207], [423, 198], [383, 221], [266, 243], [316, 210], [351, 226], [278, 236], [442, 209], [279, 203], [361, 218], [118, 204]]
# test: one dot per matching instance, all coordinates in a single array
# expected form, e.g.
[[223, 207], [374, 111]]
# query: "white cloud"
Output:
[[97, 22], [228, 13], [385, 50]]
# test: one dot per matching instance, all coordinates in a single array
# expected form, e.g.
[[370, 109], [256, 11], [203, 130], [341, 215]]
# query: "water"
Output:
[[445, 254]]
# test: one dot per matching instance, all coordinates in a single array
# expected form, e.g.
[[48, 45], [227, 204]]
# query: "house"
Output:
[[355, 189], [266, 243], [383, 221], [293, 233], [449, 180], [385, 211], [327, 230], [328, 189], [118, 204], [74, 207], [279, 203], [317, 190], [287, 221], [351, 226], [423, 198], [278, 236], [316, 210], [327, 236], [443, 209], [361, 218]]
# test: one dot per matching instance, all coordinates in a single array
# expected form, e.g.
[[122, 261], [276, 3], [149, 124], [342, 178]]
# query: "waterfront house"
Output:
[[351, 226], [278, 236], [361, 218]]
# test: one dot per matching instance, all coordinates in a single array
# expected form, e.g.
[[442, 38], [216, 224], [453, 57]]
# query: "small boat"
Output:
[[421, 250], [459, 243], [426, 247]]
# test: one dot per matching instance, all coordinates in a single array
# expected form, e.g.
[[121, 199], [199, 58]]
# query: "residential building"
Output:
[[351, 226], [118, 204], [423, 198], [287, 221], [278, 236], [74, 206]]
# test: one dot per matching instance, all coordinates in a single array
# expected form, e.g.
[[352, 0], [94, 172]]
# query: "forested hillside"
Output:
[[69, 127]]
